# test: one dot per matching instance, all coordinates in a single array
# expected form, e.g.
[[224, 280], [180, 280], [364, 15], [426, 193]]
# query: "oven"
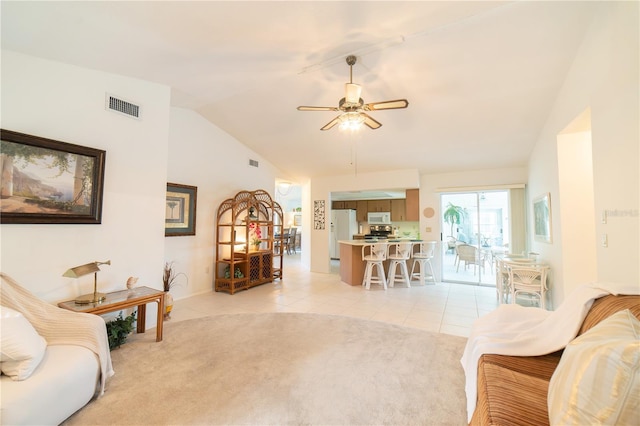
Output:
[[379, 232]]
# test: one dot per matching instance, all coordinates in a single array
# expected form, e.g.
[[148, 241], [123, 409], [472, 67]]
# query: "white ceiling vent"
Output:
[[253, 163], [122, 106]]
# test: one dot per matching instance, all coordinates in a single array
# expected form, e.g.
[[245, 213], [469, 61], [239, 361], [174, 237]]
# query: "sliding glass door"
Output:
[[475, 228]]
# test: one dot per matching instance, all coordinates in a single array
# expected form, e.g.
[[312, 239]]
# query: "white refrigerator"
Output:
[[343, 226]]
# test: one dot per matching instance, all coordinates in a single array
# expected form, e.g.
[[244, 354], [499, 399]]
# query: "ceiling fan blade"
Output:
[[331, 123], [315, 108], [376, 106], [369, 121]]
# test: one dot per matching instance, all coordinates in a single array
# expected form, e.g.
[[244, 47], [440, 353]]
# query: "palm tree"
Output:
[[454, 215]]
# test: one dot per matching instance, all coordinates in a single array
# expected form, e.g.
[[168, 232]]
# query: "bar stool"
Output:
[[374, 255], [422, 258], [398, 254]]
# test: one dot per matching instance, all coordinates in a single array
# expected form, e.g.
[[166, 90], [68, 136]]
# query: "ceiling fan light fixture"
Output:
[[352, 92], [351, 121], [353, 107]]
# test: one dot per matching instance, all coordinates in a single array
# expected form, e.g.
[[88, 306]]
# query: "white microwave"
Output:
[[379, 218]]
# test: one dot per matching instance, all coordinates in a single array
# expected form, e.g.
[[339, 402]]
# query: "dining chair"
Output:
[[290, 240], [503, 290], [374, 254], [503, 285], [422, 253], [528, 279], [277, 248], [469, 255], [398, 254]]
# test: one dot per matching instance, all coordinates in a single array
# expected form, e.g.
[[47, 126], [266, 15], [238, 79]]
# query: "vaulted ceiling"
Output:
[[480, 77]]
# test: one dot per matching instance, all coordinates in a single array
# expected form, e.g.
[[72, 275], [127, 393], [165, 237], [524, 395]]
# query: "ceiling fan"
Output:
[[353, 107]]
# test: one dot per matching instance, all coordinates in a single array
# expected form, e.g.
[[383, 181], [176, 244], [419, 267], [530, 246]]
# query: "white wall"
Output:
[[202, 155], [575, 184], [67, 103], [604, 78], [317, 255]]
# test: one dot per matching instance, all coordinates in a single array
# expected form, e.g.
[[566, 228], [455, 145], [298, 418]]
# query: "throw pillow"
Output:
[[22, 348], [598, 378]]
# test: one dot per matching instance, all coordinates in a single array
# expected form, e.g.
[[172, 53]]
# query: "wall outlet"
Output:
[[605, 240]]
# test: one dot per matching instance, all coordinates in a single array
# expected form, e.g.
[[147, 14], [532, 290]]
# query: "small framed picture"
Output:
[[542, 218], [180, 210], [297, 220]]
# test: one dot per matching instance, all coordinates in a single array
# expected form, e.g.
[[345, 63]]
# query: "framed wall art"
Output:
[[48, 181], [180, 210], [318, 214], [542, 218]]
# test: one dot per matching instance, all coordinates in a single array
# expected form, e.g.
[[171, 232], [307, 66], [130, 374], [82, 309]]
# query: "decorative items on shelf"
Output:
[[249, 238], [169, 278], [252, 213], [236, 274], [131, 282], [255, 236]]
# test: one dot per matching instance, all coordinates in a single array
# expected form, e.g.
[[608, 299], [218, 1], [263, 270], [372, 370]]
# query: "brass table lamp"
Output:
[[82, 270]]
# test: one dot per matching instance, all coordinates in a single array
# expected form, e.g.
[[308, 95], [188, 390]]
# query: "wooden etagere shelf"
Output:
[[239, 264]]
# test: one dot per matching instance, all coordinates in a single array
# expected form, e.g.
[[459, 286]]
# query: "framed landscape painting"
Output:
[[49, 181], [180, 210], [542, 218]]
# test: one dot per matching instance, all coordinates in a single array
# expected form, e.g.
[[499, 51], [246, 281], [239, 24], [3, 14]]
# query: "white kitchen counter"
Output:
[[351, 263], [363, 242]]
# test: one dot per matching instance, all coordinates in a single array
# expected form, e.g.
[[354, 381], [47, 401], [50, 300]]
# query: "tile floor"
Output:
[[445, 308]]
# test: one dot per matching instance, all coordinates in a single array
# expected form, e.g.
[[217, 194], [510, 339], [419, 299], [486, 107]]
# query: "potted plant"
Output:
[[169, 279], [454, 215], [255, 236], [119, 328]]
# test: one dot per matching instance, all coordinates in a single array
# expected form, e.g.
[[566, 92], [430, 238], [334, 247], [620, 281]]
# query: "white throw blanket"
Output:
[[520, 331], [59, 326]]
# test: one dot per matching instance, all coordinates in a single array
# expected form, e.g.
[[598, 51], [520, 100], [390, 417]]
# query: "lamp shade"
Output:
[[82, 270], [353, 92]]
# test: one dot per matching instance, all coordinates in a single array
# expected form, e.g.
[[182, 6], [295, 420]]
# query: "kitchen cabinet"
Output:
[[412, 205], [342, 205], [362, 208], [351, 205], [398, 210], [379, 205]]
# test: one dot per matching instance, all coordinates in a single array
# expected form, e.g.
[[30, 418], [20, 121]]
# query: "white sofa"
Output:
[[64, 381], [53, 361]]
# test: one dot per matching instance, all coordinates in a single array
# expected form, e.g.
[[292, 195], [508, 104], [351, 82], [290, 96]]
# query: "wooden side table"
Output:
[[118, 300]]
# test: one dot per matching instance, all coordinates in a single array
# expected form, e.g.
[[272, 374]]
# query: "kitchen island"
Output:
[[351, 264]]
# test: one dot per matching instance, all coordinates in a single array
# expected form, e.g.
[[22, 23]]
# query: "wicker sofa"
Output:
[[513, 390]]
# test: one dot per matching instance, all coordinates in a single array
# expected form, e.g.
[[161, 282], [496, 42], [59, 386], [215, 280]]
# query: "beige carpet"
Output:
[[283, 368]]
